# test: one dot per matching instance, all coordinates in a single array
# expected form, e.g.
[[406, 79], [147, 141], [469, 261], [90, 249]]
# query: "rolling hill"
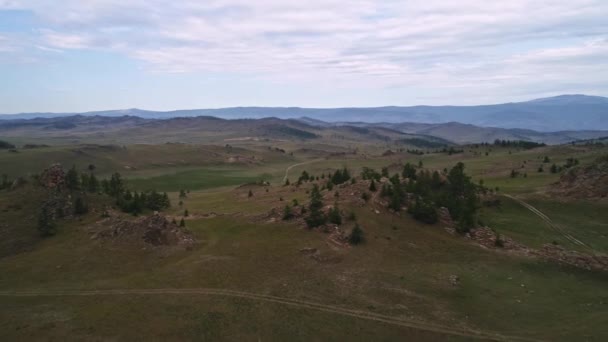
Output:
[[559, 113]]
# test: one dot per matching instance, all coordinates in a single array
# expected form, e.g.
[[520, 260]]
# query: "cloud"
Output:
[[462, 47]]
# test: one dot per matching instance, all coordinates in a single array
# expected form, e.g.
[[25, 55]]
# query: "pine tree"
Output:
[[71, 179], [372, 186], [250, 194], [315, 217], [287, 213], [356, 236], [334, 215], [80, 206], [46, 226], [186, 213], [93, 186], [182, 223]]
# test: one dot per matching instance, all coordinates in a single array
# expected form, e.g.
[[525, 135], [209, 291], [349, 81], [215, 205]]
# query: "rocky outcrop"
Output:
[[154, 230], [584, 181], [53, 177], [572, 258]]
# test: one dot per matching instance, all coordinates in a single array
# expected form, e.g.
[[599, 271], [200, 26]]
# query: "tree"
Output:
[[71, 179], [93, 186], [182, 193], [182, 223], [250, 194], [46, 226], [409, 171], [356, 236], [287, 213], [315, 217], [423, 211], [286, 181], [546, 160], [372, 186], [541, 169], [80, 206], [186, 213], [384, 172], [334, 215], [115, 186]]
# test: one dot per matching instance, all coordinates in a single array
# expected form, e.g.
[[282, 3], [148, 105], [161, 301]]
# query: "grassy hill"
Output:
[[254, 276]]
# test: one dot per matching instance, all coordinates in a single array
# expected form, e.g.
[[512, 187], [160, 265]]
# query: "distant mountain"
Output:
[[460, 133], [207, 129], [559, 113]]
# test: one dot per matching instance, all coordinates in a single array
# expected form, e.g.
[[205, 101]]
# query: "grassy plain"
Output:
[[401, 271]]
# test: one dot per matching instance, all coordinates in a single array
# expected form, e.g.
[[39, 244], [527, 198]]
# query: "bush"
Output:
[[287, 213], [334, 215], [356, 236], [424, 212]]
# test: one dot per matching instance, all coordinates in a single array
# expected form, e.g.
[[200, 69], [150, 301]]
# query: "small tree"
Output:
[[182, 223], [315, 217], [287, 213], [186, 213], [80, 206], [46, 226], [334, 215], [372, 186], [356, 236], [250, 194], [71, 179]]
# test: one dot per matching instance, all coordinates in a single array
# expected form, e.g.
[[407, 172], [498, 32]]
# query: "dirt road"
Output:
[[413, 324]]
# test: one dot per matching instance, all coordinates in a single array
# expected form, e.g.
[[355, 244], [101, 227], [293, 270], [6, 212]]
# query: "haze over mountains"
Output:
[[559, 113]]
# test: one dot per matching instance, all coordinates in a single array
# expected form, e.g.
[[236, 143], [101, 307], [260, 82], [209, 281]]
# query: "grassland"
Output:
[[402, 271]]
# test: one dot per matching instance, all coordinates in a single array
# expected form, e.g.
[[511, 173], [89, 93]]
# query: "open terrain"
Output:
[[252, 275]]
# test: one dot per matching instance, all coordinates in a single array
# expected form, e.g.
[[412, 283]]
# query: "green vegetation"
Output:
[[399, 265]]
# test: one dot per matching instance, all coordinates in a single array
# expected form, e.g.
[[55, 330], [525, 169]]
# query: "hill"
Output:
[[564, 112]]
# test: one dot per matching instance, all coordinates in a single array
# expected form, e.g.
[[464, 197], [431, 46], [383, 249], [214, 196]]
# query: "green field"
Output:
[[247, 279]]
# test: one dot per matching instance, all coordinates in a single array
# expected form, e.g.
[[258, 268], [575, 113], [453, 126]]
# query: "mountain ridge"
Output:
[[563, 112]]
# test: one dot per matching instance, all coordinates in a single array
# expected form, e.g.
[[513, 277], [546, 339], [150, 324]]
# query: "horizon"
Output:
[[289, 107], [80, 56]]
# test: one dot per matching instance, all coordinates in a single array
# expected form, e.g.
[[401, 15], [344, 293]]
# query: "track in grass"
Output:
[[412, 324], [550, 222], [295, 165]]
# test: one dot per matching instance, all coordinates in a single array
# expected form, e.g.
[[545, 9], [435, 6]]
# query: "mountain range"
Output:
[[559, 113]]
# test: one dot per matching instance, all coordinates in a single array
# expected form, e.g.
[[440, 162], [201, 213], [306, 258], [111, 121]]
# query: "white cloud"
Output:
[[470, 45]]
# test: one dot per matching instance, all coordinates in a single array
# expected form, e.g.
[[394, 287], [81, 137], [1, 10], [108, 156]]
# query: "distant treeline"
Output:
[[526, 145], [418, 142]]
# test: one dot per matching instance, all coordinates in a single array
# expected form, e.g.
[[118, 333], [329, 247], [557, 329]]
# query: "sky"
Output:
[[84, 55]]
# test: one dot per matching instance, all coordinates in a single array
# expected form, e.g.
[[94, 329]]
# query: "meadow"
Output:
[[248, 278]]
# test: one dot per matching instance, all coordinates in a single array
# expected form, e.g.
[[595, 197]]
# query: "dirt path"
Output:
[[413, 324], [549, 222], [296, 165]]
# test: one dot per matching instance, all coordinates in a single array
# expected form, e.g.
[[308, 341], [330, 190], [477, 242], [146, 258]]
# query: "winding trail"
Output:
[[549, 222], [298, 164], [407, 323]]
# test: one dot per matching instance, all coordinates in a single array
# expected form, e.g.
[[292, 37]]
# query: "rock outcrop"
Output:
[[584, 181]]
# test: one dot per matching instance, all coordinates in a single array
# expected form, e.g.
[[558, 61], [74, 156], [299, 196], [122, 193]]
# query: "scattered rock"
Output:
[[454, 280]]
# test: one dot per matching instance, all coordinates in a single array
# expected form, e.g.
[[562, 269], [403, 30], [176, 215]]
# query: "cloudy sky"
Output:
[[78, 55]]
